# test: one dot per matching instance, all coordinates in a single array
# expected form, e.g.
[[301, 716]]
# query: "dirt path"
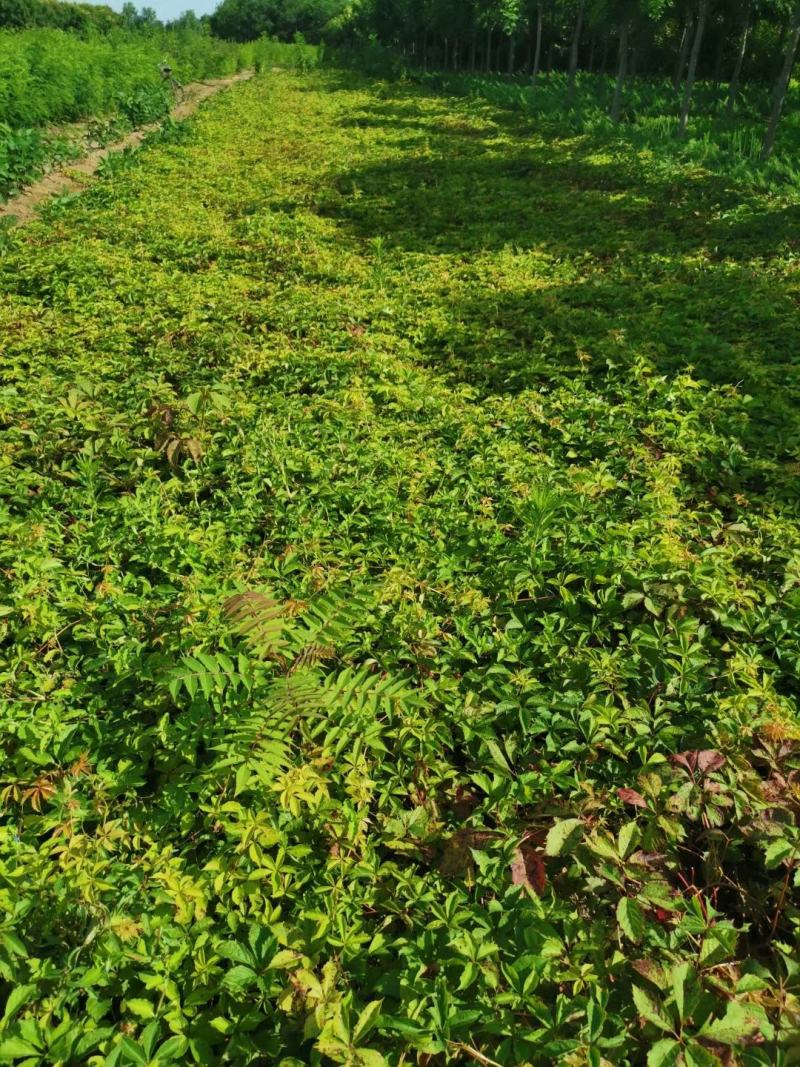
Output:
[[75, 176]]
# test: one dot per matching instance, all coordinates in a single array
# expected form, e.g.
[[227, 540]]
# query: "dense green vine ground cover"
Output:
[[496, 761]]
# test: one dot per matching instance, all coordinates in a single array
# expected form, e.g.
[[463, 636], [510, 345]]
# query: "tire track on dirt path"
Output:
[[76, 176]]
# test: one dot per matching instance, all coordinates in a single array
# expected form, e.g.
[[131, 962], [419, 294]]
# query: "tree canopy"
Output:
[[244, 20], [21, 14], [687, 40]]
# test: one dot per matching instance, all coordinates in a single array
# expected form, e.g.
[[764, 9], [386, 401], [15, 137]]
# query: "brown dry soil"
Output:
[[75, 176]]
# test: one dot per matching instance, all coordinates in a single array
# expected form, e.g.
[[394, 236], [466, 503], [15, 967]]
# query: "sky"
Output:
[[168, 9]]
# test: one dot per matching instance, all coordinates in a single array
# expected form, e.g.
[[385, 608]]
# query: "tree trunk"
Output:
[[692, 72], [590, 64], [446, 53], [511, 54], [425, 51], [573, 54], [683, 51], [622, 68], [488, 49], [472, 52], [782, 38], [634, 61], [537, 52], [736, 77], [604, 60], [782, 86], [720, 56]]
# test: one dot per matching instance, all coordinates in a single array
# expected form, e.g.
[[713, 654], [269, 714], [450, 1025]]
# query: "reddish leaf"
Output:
[[705, 761], [687, 760], [710, 760], [465, 803], [194, 448], [647, 859], [527, 868], [630, 796]]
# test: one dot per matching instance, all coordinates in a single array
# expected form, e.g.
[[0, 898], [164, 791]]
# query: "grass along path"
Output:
[[421, 374], [74, 177]]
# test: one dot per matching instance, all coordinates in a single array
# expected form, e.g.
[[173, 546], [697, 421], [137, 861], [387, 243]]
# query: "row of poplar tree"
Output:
[[720, 40]]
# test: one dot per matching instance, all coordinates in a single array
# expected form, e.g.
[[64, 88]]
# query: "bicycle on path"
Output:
[[169, 79]]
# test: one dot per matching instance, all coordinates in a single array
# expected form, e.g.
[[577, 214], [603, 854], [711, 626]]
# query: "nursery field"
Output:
[[62, 94], [400, 597], [720, 142]]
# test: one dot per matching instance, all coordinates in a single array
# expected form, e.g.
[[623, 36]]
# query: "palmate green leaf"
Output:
[[628, 838], [91, 1039], [173, 1049], [237, 952], [603, 846], [662, 895], [142, 1009], [284, 959], [15, 1048], [664, 1053], [366, 1020], [739, 1023], [459, 1020], [684, 989], [132, 1052], [631, 919], [239, 978], [13, 943], [408, 1029], [697, 1055], [333, 1046], [650, 1010], [653, 971], [31, 1030], [369, 1057], [17, 998], [631, 598], [149, 1037], [777, 851], [563, 837]]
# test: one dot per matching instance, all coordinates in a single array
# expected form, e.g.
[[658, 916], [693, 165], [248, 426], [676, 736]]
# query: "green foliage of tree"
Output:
[[245, 20], [59, 14], [695, 42]]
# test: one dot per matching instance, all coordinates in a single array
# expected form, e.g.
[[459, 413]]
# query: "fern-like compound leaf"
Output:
[[260, 619]]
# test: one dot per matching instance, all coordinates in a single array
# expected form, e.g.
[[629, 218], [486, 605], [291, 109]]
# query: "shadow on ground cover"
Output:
[[607, 256]]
